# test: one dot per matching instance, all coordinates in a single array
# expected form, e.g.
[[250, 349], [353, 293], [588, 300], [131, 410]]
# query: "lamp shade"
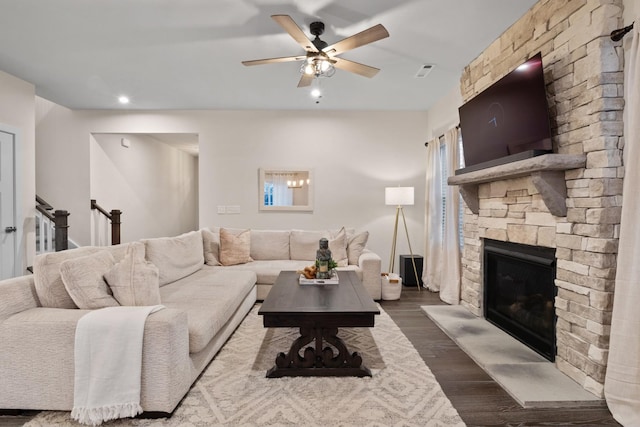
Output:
[[398, 196]]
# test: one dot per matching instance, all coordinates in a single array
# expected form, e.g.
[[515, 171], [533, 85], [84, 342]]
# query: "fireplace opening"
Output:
[[519, 293]]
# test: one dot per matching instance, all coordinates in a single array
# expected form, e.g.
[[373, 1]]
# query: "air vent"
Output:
[[424, 71]]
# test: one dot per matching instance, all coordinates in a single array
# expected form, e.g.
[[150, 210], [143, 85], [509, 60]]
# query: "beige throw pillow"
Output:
[[83, 279], [338, 247], [356, 245], [134, 281], [235, 249], [211, 244], [48, 282]]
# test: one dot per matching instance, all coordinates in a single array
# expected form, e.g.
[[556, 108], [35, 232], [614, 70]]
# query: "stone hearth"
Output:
[[583, 73]]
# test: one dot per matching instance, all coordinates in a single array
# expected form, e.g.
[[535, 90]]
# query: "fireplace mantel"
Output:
[[546, 172]]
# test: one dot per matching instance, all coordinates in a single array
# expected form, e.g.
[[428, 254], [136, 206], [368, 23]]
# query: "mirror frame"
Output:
[[300, 208]]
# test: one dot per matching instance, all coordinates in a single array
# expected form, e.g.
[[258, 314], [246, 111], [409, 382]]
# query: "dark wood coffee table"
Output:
[[318, 310]]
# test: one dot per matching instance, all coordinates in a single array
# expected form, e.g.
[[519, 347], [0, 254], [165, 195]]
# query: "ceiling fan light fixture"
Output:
[[318, 67]]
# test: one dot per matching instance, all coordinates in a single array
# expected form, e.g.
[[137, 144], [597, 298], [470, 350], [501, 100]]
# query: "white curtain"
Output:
[[450, 280], [622, 381], [442, 239], [432, 270], [282, 194]]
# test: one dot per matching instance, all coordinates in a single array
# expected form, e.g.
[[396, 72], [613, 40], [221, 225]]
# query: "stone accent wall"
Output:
[[583, 73]]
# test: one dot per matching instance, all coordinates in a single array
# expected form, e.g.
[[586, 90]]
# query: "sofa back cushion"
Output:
[[304, 244], [48, 281], [269, 245], [176, 257]]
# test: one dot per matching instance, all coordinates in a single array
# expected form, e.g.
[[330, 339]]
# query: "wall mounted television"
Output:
[[508, 121]]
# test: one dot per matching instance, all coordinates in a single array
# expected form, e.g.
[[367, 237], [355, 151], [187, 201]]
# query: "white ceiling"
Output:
[[186, 54]]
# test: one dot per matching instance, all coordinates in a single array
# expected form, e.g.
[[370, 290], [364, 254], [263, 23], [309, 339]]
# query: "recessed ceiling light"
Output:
[[122, 99]]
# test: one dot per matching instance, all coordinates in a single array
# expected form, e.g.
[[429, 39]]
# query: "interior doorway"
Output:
[[151, 177]]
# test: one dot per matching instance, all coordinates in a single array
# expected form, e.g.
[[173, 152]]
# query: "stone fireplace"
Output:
[[568, 201]]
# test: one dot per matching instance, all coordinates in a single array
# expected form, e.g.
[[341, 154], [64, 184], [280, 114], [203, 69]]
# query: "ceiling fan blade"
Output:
[[305, 80], [355, 67], [289, 25], [273, 60], [375, 33]]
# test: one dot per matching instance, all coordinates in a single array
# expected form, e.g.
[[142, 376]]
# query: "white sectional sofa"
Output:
[[204, 303]]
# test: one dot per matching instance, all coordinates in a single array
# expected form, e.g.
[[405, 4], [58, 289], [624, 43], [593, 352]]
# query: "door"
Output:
[[8, 226]]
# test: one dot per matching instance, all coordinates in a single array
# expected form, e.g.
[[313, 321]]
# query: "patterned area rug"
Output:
[[233, 390]]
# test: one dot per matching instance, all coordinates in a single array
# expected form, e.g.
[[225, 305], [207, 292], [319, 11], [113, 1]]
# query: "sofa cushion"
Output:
[[355, 245], [211, 246], [134, 280], [83, 278], [268, 270], [304, 244], [269, 244], [47, 280], [209, 297], [235, 249], [176, 257]]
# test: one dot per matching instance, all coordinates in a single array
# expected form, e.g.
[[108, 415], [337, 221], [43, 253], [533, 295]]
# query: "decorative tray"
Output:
[[333, 280]]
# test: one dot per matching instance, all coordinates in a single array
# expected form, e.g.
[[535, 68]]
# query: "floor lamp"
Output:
[[400, 196]]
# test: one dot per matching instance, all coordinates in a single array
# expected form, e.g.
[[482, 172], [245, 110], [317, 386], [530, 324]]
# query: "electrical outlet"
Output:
[[233, 209], [222, 209]]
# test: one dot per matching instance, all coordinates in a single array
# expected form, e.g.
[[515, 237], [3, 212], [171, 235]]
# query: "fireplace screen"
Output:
[[519, 293]]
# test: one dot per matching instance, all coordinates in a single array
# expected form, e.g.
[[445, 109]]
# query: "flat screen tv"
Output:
[[508, 121]]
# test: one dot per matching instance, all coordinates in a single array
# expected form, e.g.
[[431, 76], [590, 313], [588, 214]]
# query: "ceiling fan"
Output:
[[321, 58]]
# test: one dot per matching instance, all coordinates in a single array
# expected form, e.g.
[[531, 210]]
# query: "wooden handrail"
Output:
[[44, 211], [60, 221], [95, 205], [44, 204], [114, 217]]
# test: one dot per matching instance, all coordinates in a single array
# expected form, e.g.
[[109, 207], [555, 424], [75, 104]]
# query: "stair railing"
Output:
[[52, 229], [112, 217]]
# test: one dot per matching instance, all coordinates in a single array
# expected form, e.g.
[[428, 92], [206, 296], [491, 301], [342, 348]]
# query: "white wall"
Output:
[[443, 115], [153, 184], [355, 155], [631, 12], [17, 110]]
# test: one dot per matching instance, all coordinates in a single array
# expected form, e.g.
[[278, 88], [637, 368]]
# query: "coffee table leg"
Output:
[[318, 361]]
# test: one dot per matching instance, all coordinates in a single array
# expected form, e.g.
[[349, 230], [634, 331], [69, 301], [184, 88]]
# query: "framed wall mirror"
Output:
[[285, 190]]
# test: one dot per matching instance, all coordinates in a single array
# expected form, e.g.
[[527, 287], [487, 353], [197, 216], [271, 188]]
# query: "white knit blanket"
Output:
[[108, 364]]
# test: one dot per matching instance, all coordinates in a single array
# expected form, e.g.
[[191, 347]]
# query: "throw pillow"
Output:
[[338, 247], [48, 282], [211, 243], [235, 249], [356, 245], [83, 279], [134, 281]]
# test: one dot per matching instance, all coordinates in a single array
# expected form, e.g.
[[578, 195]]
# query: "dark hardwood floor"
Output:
[[480, 401]]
